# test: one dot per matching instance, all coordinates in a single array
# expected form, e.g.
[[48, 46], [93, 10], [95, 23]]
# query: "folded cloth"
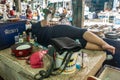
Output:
[[36, 59]]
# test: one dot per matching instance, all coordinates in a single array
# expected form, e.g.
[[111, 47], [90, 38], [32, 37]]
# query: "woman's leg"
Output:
[[92, 46], [95, 42]]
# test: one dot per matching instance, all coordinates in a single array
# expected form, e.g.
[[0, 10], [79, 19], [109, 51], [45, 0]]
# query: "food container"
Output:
[[21, 49], [109, 73], [111, 35]]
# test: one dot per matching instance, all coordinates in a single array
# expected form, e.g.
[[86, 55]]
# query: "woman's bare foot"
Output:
[[109, 48]]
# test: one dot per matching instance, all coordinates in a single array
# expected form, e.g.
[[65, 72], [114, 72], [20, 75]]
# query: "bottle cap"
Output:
[[78, 66]]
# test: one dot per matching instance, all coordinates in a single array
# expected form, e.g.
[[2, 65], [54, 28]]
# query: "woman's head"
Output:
[[28, 6], [44, 23]]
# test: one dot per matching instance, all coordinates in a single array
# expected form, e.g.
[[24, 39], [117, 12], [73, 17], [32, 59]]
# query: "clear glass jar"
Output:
[[85, 60]]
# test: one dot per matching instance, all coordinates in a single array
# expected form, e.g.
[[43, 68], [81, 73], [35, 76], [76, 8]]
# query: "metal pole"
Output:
[[18, 5]]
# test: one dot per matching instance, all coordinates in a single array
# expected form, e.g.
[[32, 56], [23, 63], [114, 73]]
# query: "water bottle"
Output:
[[24, 36], [78, 61], [21, 39], [35, 41], [16, 39], [31, 39]]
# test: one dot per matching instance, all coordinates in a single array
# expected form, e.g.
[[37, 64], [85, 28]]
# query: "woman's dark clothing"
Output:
[[45, 34], [116, 57]]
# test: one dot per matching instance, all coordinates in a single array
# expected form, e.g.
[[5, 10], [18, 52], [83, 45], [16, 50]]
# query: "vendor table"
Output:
[[111, 17], [13, 69]]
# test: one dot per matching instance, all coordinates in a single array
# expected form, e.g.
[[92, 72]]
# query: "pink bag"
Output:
[[36, 59]]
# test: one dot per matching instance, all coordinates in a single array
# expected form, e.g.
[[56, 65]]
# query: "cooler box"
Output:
[[8, 31]]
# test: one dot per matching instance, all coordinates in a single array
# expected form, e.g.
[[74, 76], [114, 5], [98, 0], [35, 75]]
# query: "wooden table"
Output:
[[14, 69]]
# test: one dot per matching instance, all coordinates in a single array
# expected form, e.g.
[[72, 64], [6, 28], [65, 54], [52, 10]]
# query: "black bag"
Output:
[[59, 45], [62, 44]]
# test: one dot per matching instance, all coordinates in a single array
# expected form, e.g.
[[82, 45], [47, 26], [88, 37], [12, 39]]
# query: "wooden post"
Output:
[[18, 5], [78, 12]]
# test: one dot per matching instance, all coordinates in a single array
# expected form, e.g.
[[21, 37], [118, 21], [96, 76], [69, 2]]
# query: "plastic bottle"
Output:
[[35, 41], [31, 39], [20, 39], [35, 38], [78, 61], [24, 36], [29, 35], [16, 39]]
